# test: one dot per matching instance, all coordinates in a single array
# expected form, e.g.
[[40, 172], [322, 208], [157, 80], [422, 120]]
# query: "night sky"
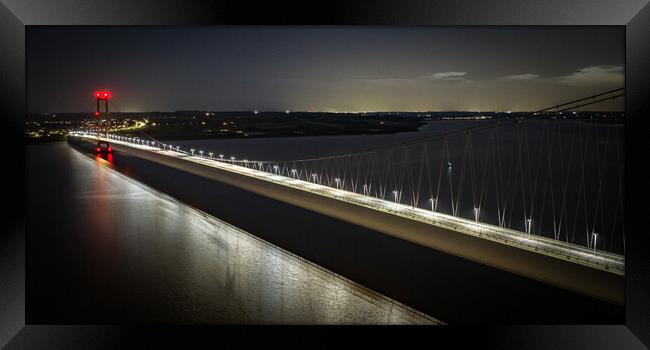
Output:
[[322, 68]]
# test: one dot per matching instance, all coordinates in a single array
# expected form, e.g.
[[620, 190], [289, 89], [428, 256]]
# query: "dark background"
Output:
[[322, 68], [380, 12]]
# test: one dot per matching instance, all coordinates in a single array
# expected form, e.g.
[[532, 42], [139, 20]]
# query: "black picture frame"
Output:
[[16, 15]]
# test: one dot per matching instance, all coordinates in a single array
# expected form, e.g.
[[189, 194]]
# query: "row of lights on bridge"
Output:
[[366, 189], [337, 181]]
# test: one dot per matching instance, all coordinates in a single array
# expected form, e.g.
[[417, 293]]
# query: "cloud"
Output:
[[527, 76], [594, 76], [447, 76]]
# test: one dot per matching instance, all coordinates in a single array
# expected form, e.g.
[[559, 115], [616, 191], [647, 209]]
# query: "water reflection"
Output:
[[189, 267]]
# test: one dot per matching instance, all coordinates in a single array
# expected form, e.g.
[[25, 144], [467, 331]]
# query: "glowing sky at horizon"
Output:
[[322, 68]]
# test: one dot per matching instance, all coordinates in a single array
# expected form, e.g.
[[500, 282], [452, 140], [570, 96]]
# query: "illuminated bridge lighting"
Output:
[[587, 256]]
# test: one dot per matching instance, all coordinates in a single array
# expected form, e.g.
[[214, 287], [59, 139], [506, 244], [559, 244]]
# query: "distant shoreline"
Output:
[[208, 126]]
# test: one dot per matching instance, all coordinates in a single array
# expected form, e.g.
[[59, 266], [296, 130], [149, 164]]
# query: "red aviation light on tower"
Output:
[[102, 97], [103, 94]]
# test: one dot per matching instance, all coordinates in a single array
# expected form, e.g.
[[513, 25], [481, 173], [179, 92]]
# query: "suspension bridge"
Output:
[[542, 198]]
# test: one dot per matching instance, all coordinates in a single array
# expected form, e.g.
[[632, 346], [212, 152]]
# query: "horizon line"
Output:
[[333, 112]]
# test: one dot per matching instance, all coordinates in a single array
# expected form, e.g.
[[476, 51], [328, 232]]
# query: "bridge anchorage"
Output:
[[540, 197]]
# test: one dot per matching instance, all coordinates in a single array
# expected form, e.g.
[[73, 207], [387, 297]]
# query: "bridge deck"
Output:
[[605, 261]]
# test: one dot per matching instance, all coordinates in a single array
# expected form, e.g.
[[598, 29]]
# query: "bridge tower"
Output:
[[102, 96]]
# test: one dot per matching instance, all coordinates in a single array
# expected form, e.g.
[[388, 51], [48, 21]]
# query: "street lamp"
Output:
[[232, 159], [293, 172], [476, 213], [434, 203], [201, 153], [210, 154], [313, 176], [395, 193], [192, 150], [337, 182], [595, 237], [221, 156], [275, 167], [528, 225], [365, 189]]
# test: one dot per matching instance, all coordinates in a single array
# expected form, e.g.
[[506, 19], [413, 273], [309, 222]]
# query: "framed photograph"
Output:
[[471, 172]]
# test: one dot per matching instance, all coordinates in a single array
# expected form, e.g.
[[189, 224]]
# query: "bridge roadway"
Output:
[[594, 273]]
